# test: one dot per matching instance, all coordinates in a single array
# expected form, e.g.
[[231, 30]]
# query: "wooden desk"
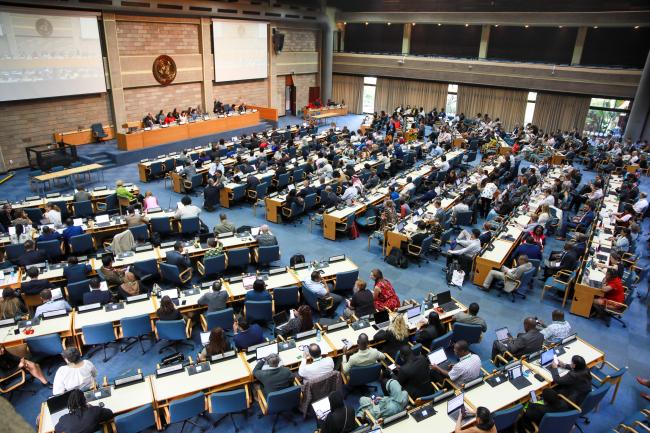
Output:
[[330, 219], [83, 136], [440, 422], [238, 292], [329, 272], [558, 158], [504, 394], [335, 338], [57, 325], [501, 249], [591, 355], [154, 137], [333, 111], [223, 375], [68, 172], [291, 358], [123, 399]]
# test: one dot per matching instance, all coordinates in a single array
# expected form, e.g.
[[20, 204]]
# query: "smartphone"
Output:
[[392, 367], [533, 397]]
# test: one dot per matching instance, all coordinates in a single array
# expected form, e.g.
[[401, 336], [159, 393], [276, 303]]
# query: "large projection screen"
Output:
[[42, 56], [240, 50]]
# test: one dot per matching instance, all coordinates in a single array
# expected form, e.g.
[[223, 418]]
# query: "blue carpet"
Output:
[[623, 347]]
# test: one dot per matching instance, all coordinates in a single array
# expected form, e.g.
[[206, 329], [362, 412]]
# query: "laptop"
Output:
[[414, 315], [102, 220], [172, 293], [516, 377], [445, 302], [249, 281], [280, 319], [266, 350], [58, 406], [255, 231], [321, 408], [547, 357], [400, 226], [455, 405], [439, 358], [205, 338], [502, 334], [382, 319]]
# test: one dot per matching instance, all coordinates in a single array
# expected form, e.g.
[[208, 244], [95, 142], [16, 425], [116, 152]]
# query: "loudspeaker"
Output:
[[278, 42]]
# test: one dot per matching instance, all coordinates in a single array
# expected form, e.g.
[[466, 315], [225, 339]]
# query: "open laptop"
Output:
[[516, 377], [455, 405], [439, 358], [321, 407], [414, 315], [502, 334], [280, 319], [445, 302], [249, 281], [546, 358], [102, 220], [400, 226], [264, 351], [58, 406], [382, 319]]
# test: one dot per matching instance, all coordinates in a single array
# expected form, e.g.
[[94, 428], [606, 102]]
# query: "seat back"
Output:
[[464, 218], [136, 326], [258, 311], [35, 214], [100, 333], [173, 330], [506, 418], [268, 254], [76, 292], [214, 265], [238, 192], [223, 403], [82, 243], [594, 398], [170, 273], [283, 400], [14, 251], [363, 375], [52, 248], [136, 420], [283, 180], [186, 408], [98, 130], [443, 341], [82, 209], [467, 332], [160, 225], [346, 280], [238, 258], [298, 175], [220, 319], [197, 180], [285, 296], [140, 232], [558, 422], [190, 225], [146, 268], [45, 345], [527, 279], [425, 246]]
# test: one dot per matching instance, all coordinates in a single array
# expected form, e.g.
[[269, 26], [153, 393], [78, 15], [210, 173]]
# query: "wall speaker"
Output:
[[278, 42]]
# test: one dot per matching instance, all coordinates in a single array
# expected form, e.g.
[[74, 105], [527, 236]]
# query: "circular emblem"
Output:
[[164, 69], [44, 27]]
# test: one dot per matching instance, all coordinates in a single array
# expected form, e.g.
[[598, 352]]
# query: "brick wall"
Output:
[[135, 38], [140, 101], [253, 92], [29, 123], [303, 82], [300, 40]]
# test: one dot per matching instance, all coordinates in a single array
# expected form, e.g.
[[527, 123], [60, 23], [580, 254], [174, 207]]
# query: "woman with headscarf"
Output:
[[341, 417], [394, 401]]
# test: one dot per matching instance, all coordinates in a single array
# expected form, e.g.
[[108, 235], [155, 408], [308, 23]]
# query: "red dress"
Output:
[[387, 298], [617, 293]]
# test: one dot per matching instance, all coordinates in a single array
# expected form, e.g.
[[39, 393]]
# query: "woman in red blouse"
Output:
[[538, 235], [384, 293], [613, 288], [169, 119]]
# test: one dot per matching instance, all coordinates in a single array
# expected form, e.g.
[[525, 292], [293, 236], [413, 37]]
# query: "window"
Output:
[[530, 107], [452, 100], [607, 116], [369, 88]]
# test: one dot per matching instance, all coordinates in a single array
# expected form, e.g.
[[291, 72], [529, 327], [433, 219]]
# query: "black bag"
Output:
[[296, 259], [396, 258], [453, 266]]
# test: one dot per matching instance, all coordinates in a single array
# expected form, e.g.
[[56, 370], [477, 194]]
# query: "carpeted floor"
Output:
[[623, 346]]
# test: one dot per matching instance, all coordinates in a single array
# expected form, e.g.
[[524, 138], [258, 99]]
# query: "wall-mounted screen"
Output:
[[240, 50], [43, 56]]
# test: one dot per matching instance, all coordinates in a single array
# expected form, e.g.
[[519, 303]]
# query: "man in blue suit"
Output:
[[579, 223], [96, 294], [178, 258], [71, 230], [76, 271], [530, 248]]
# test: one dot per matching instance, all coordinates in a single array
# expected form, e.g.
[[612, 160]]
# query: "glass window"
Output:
[[369, 99], [530, 110], [532, 96], [452, 100], [453, 88], [607, 116], [370, 80]]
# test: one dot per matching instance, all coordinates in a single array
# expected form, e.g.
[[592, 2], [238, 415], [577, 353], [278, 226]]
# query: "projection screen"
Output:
[[240, 50], [43, 56]]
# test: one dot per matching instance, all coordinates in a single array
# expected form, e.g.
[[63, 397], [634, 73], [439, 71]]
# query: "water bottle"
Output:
[[47, 265], [318, 336]]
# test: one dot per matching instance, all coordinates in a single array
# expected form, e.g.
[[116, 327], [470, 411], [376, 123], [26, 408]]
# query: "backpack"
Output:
[[296, 259], [396, 258], [453, 266]]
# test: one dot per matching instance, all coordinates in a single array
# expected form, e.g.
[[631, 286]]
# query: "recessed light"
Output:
[[366, 22], [344, 23], [595, 27], [466, 25], [388, 23], [636, 27], [526, 26], [412, 24], [439, 24], [496, 25], [559, 27]]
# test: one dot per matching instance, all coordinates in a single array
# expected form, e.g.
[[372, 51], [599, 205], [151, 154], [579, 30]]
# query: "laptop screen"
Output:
[[103, 218], [413, 312], [547, 357], [444, 297], [502, 333], [255, 231], [248, 281], [205, 338], [381, 316], [264, 351], [514, 372], [455, 403], [172, 293], [400, 227], [437, 357], [321, 407], [58, 402]]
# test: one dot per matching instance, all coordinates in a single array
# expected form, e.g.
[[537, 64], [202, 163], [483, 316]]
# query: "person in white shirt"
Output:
[[465, 370], [557, 330], [319, 365], [409, 188], [642, 204], [76, 374], [443, 165], [349, 194], [549, 199], [186, 209], [52, 215], [214, 166], [51, 305]]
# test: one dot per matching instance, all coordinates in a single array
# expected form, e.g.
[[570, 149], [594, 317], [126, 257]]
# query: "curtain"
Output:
[[565, 112], [348, 88], [392, 92], [508, 105]]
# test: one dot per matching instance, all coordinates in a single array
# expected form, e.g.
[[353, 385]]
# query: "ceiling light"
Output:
[[412, 24], [526, 26], [366, 22], [388, 23], [466, 25], [560, 27], [344, 23], [496, 25], [595, 27], [636, 27], [439, 24]]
